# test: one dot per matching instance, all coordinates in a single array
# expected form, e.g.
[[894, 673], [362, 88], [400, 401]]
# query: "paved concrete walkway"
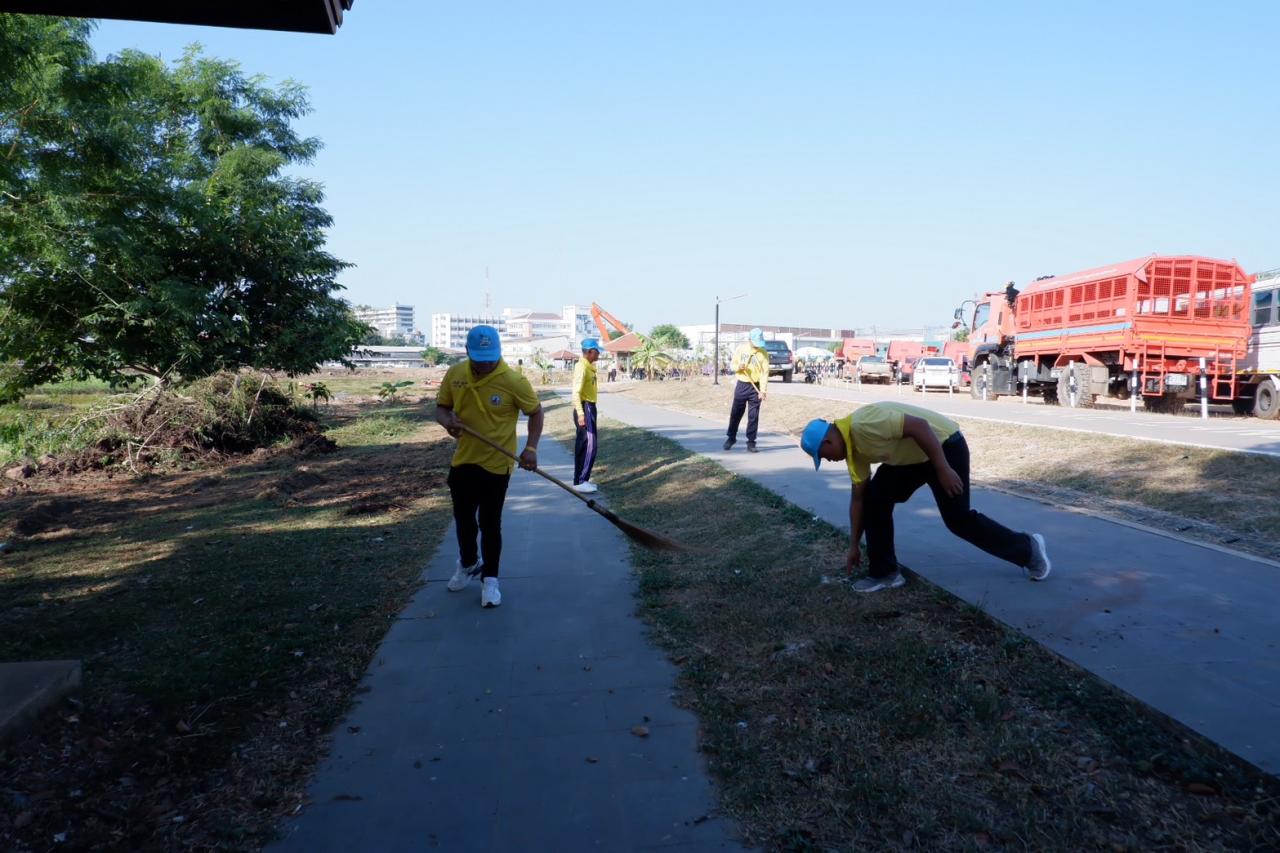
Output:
[[1193, 632], [511, 728]]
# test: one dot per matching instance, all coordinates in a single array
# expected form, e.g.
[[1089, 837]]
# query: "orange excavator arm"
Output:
[[602, 317]]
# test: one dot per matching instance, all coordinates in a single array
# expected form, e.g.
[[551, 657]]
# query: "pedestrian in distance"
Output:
[[584, 416], [915, 447], [488, 396], [751, 366]]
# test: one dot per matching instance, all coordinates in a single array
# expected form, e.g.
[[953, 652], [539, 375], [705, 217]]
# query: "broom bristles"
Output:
[[644, 538], [639, 535]]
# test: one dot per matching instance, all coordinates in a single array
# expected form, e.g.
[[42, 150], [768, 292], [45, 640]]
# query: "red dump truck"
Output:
[[854, 348], [1074, 338], [957, 351], [903, 355]]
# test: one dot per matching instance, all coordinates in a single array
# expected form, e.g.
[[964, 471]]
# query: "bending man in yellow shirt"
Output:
[[584, 416], [751, 366], [914, 447], [488, 396]]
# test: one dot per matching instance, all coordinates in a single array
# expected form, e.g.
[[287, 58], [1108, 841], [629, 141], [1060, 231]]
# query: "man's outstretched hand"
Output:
[[854, 559], [951, 482], [451, 423]]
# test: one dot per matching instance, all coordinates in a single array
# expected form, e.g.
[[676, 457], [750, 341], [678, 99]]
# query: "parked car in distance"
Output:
[[935, 372], [873, 368], [781, 361]]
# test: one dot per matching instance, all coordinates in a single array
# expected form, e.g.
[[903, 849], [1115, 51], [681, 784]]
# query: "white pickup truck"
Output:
[[873, 368]]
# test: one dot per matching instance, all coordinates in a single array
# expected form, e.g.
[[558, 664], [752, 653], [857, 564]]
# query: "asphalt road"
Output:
[[1222, 431]]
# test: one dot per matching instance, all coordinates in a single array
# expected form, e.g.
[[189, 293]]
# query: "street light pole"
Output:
[[715, 352]]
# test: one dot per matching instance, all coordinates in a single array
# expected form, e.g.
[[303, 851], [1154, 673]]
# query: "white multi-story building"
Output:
[[529, 350], [449, 331], [536, 324], [573, 321], [393, 322], [578, 322]]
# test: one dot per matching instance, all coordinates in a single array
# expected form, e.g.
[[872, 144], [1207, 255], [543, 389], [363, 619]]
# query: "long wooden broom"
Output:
[[642, 537]]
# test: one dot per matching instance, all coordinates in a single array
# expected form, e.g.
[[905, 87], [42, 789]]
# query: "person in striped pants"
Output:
[[584, 416]]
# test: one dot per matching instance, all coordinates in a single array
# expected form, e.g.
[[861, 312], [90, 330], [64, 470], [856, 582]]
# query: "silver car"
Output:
[[935, 372]]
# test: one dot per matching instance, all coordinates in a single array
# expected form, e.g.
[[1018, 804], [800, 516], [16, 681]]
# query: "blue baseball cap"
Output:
[[590, 343], [483, 344], [812, 438], [757, 339]]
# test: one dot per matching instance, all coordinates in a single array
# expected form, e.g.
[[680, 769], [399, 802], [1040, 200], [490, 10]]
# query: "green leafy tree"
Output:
[[432, 356], [148, 225], [670, 336], [651, 357], [961, 334]]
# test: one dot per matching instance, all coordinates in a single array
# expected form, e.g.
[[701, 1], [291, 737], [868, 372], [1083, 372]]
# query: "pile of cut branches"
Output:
[[228, 414]]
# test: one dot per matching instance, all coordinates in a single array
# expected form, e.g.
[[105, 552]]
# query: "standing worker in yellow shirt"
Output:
[[488, 396], [914, 447], [751, 366], [584, 416]]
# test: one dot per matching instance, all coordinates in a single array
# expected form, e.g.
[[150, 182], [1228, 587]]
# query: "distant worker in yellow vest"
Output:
[[584, 416], [484, 393], [914, 447], [751, 366]]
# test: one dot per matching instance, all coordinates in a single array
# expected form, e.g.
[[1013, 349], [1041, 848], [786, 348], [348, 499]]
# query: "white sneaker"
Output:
[[1039, 568], [462, 577], [586, 488], [490, 596], [870, 584]]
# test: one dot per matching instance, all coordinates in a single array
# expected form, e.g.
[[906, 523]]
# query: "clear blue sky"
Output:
[[844, 164]]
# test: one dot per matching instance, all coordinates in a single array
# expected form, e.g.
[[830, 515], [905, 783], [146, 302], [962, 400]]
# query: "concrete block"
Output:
[[27, 688]]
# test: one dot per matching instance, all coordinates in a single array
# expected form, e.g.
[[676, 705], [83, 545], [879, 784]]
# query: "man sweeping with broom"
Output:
[[914, 447], [479, 403]]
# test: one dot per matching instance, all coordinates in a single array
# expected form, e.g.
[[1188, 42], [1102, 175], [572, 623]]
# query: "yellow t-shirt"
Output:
[[490, 405], [584, 384], [751, 365], [873, 433]]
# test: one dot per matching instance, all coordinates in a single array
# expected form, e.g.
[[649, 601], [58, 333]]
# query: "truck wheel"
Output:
[[1242, 405], [1050, 395], [786, 375], [981, 380], [1165, 404], [1073, 386], [1266, 401]]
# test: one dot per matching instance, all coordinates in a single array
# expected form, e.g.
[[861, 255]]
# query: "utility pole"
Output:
[[715, 369], [715, 352]]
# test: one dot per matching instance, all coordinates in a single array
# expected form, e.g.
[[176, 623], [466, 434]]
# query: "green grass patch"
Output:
[[223, 618], [374, 426], [837, 721], [28, 435]]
